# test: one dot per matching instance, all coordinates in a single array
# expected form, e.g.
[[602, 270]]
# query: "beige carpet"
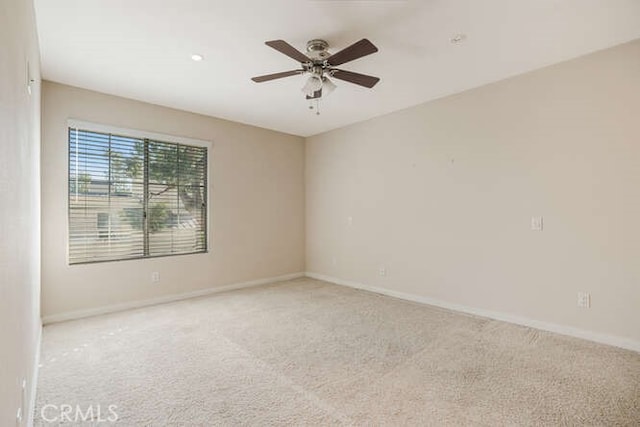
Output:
[[306, 352]]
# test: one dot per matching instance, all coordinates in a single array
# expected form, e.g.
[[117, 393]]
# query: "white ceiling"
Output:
[[141, 49]]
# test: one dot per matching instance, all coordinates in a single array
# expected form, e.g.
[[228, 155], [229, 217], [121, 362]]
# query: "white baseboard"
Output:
[[613, 340], [34, 379], [79, 314]]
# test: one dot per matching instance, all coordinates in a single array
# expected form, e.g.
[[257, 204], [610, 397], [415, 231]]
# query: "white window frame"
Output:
[[142, 134]]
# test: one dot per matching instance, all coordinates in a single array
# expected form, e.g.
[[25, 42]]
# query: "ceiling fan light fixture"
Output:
[[327, 86], [314, 83]]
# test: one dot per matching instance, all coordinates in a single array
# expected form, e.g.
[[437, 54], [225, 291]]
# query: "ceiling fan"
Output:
[[320, 65]]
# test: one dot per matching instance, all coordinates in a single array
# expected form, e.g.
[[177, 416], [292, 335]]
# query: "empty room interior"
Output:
[[320, 212]]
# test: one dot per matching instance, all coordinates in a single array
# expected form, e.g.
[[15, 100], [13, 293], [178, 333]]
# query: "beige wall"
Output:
[[442, 194], [19, 208], [256, 205]]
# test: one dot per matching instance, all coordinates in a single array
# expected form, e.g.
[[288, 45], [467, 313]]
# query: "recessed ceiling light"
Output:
[[458, 38], [197, 57]]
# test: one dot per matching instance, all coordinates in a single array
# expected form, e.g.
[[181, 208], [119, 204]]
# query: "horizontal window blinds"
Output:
[[134, 197]]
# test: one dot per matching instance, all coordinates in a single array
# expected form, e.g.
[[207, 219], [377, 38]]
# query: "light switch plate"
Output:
[[536, 223], [584, 300]]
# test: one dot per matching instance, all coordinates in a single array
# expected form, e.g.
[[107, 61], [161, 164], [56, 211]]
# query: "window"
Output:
[[132, 196]]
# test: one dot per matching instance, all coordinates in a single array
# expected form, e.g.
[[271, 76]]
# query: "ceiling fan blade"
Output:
[[316, 94], [357, 50], [268, 77], [356, 78], [284, 47]]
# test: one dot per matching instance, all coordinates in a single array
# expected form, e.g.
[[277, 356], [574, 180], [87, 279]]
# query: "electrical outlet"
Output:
[[382, 271], [155, 277], [350, 221], [584, 300], [334, 261]]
